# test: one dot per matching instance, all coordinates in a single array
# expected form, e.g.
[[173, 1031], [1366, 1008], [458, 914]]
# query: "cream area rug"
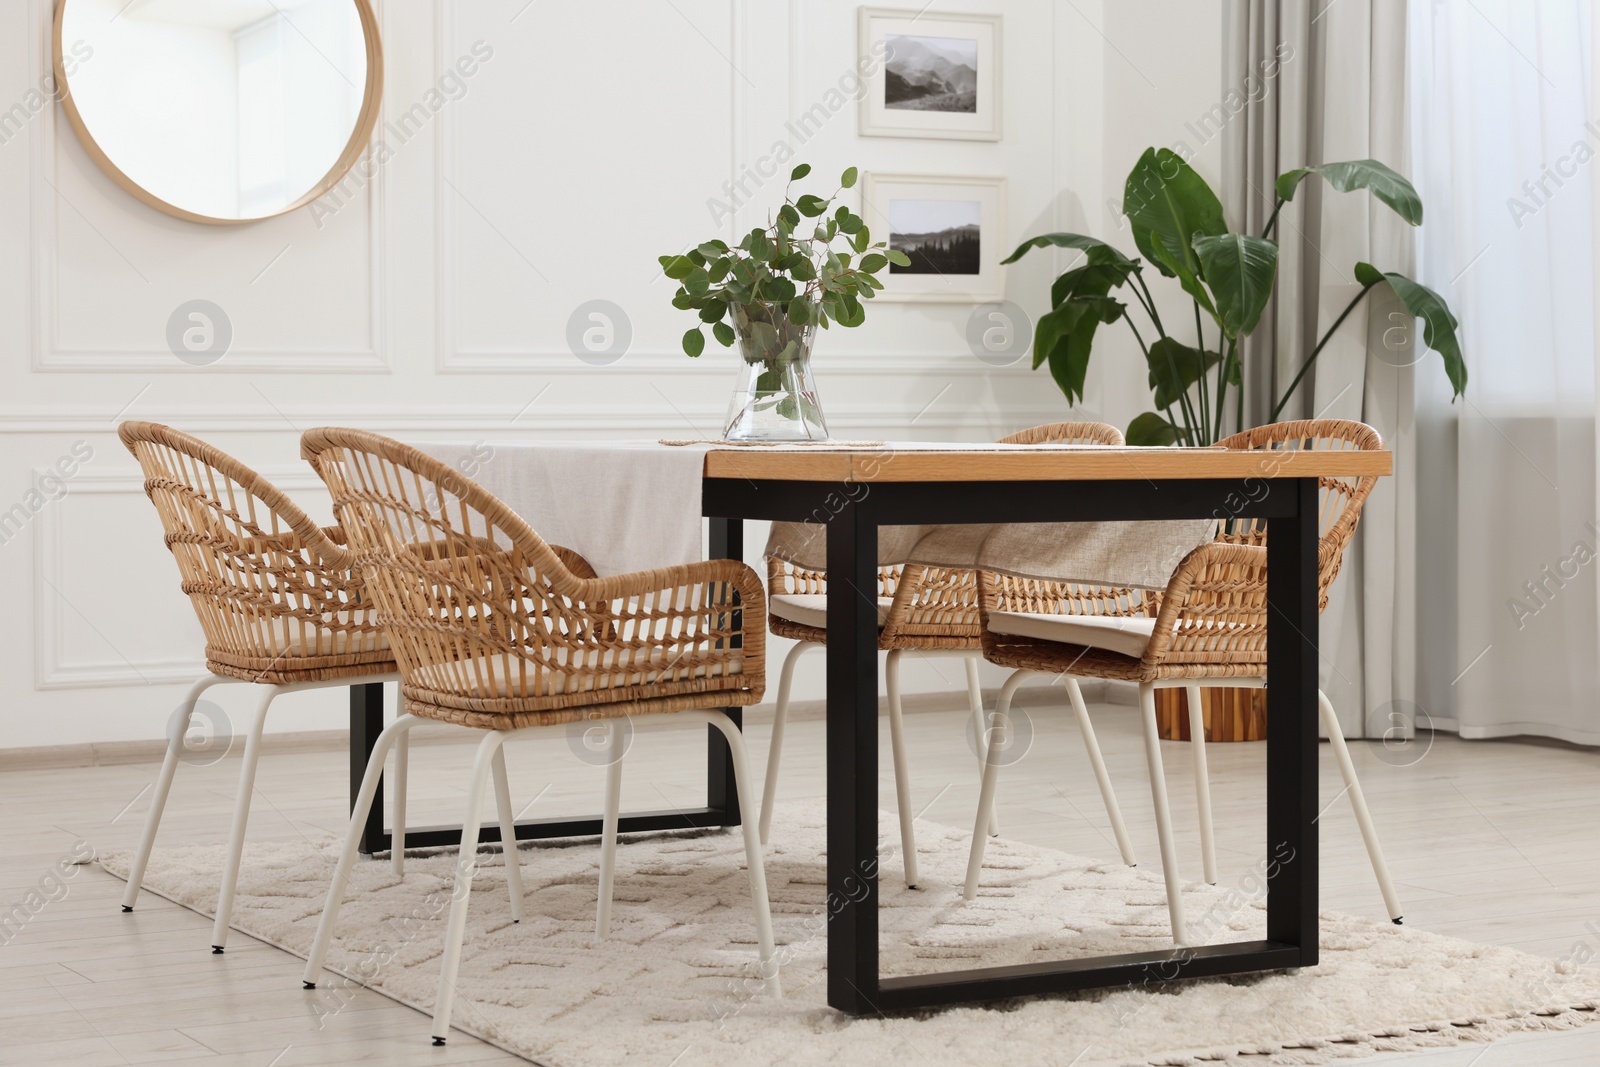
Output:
[[674, 985]]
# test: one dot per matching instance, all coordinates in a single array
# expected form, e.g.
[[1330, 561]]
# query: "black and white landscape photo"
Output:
[[931, 74], [938, 236]]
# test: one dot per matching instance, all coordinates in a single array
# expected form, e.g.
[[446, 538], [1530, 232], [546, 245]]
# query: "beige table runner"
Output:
[[1142, 555]]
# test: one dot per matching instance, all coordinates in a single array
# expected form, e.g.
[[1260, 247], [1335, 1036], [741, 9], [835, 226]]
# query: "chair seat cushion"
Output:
[[811, 609], [1114, 633]]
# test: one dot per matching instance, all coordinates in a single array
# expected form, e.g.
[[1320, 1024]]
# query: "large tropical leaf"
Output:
[[1167, 204], [1174, 367], [1438, 324], [1239, 271], [1385, 184], [1098, 250], [1150, 429], [1091, 279], [1065, 337]]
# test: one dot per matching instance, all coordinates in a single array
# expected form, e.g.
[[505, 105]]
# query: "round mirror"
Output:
[[221, 110]]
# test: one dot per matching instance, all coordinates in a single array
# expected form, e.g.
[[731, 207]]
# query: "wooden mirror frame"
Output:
[[366, 123]]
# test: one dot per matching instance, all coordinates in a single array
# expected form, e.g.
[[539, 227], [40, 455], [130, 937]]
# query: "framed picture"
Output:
[[951, 228], [930, 75]]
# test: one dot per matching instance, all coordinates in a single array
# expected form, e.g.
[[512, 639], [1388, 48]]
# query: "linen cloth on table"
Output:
[[1141, 555], [624, 506]]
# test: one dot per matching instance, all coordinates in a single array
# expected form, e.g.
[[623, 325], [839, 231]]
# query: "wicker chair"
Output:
[[276, 598], [920, 609], [496, 630], [1208, 628]]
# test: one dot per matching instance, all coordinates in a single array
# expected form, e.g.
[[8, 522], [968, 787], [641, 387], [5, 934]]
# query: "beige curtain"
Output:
[[1318, 82]]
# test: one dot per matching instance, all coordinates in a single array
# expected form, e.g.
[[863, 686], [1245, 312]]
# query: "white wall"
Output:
[[434, 302]]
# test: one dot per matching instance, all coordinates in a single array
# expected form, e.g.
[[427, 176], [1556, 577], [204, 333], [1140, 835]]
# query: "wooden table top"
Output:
[[917, 463]]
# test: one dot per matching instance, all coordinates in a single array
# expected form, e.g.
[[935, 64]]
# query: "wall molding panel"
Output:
[[49, 137], [54, 666]]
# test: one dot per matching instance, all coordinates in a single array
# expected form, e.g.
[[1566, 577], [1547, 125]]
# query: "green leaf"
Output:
[[1239, 271], [898, 258], [694, 342], [1167, 204], [697, 282], [799, 311], [1093, 245], [873, 263], [1386, 185], [848, 178], [760, 245], [723, 333], [789, 215], [713, 311], [778, 290], [1438, 324], [1064, 338], [1094, 279], [1367, 274], [676, 267], [811, 206], [1149, 430], [861, 240], [799, 172], [1174, 368], [719, 269]]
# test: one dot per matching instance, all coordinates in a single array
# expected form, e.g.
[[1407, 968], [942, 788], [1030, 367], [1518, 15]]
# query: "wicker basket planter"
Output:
[[1230, 714]]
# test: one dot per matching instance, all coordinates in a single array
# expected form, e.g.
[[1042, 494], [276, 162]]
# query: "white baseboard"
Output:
[[115, 753]]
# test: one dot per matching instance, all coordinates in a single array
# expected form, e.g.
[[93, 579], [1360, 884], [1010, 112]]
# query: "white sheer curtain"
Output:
[[1506, 154]]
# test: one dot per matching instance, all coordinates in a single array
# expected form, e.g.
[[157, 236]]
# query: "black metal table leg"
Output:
[[852, 760], [722, 792], [854, 984], [1292, 723], [366, 723]]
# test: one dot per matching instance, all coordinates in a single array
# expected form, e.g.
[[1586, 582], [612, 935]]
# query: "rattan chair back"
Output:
[[275, 593], [493, 627]]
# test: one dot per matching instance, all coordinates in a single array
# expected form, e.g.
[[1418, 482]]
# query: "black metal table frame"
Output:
[[853, 514]]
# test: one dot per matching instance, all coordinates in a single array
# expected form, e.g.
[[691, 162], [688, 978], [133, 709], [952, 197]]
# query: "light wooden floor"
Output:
[[1492, 841]]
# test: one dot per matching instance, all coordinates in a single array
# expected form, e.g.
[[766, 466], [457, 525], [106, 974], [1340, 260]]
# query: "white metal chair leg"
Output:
[[902, 776], [508, 833], [1158, 794], [991, 775], [466, 867], [752, 851], [1358, 801], [352, 841], [1097, 761], [241, 816], [608, 832], [1202, 783], [169, 768], [397, 837], [975, 699], [780, 715]]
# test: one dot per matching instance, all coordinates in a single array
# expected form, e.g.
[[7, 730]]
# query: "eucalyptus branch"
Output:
[[1318, 350]]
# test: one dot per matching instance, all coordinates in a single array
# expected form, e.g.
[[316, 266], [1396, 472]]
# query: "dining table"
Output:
[[855, 490]]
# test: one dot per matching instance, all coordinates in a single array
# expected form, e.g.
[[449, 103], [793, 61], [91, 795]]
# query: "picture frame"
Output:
[[952, 227], [934, 75]]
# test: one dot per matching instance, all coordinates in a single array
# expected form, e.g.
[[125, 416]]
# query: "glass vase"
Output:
[[774, 395]]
